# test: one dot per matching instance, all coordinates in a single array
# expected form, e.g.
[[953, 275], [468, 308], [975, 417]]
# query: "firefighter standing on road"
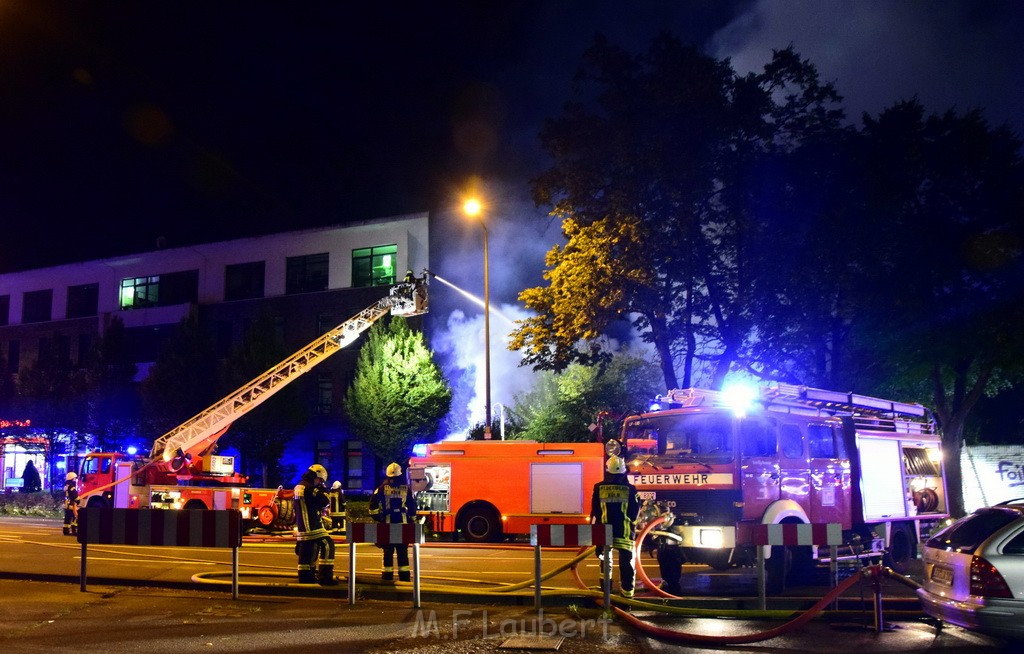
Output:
[[337, 497], [312, 538], [392, 503], [70, 505], [616, 502]]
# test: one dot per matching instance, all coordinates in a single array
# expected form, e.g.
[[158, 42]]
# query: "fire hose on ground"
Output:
[[874, 572]]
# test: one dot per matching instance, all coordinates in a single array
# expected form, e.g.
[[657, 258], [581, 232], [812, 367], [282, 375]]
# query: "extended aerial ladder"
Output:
[[180, 454], [197, 434]]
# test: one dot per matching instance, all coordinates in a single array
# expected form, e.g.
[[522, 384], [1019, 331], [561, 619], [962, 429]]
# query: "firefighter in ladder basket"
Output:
[[313, 540], [392, 503]]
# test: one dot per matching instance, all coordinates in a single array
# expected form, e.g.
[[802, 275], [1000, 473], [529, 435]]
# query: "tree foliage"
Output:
[[562, 407], [652, 178], [262, 435], [398, 396]]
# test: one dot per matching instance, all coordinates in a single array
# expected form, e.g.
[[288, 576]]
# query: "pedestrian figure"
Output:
[[615, 502], [311, 503], [392, 503]]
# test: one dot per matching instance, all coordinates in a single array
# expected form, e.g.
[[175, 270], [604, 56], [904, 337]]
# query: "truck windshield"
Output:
[[681, 438]]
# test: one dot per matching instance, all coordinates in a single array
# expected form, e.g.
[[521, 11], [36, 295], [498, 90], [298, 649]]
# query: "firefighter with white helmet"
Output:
[[310, 503], [392, 503], [615, 501], [337, 497], [70, 504]]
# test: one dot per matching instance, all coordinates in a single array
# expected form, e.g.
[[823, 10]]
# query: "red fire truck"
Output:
[[486, 490], [183, 472], [785, 454]]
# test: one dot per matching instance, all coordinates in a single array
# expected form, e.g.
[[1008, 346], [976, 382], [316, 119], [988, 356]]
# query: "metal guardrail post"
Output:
[[607, 579], [416, 573]]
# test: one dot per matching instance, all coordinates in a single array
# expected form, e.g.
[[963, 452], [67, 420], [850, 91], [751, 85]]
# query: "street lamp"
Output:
[[473, 209]]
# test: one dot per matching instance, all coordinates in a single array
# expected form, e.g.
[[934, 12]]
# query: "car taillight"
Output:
[[986, 580]]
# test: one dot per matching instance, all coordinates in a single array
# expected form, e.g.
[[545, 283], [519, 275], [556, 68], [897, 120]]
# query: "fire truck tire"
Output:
[[480, 524], [96, 503], [901, 549], [776, 570], [194, 505]]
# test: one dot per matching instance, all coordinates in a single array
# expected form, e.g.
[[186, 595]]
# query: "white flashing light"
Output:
[[132, 450], [739, 397], [656, 404]]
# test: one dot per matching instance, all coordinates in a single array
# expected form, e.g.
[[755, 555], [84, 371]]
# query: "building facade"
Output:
[[308, 281]]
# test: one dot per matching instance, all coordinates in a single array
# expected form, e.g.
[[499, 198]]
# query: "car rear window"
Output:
[[966, 534]]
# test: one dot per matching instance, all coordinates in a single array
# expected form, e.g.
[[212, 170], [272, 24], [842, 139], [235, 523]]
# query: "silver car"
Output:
[[974, 572]]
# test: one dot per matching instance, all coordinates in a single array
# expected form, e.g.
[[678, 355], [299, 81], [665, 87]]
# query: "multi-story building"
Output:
[[308, 281]]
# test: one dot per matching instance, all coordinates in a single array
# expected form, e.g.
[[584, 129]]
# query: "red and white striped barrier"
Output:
[[383, 534], [790, 534], [160, 527], [551, 535]]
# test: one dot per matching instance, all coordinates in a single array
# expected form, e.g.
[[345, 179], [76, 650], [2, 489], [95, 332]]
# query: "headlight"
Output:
[[710, 537]]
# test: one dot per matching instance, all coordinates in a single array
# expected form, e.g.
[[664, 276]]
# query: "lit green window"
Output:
[[374, 266], [139, 292]]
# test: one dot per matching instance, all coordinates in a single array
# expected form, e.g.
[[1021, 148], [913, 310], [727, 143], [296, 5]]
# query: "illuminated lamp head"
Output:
[[739, 397], [655, 404]]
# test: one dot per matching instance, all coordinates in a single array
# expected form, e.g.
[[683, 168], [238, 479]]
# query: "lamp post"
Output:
[[474, 209]]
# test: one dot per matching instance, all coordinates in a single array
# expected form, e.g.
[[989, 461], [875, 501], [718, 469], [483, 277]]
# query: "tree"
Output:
[[114, 407], [943, 306], [398, 396], [651, 179], [562, 407], [262, 435], [182, 380]]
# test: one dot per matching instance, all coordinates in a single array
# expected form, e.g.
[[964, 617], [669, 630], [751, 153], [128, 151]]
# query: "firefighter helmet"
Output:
[[615, 465], [394, 470], [70, 476], [336, 485], [319, 471]]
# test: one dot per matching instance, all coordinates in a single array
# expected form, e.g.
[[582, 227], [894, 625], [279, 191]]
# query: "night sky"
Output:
[[129, 126]]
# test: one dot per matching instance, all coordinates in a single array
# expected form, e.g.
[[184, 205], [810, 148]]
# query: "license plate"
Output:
[[942, 575], [647, 495]]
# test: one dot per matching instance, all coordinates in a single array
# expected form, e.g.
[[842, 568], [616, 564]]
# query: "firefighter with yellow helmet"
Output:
[[312, 539], [392, 503], [615, 501], [70, 504]]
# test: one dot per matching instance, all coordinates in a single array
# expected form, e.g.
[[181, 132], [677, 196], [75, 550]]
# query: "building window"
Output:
[[38, 306], [354, 464], [13, 356], [5, 309], [324, 395], [83, 300], [160, 290], [306, 274], [244, 281], [374, 266]]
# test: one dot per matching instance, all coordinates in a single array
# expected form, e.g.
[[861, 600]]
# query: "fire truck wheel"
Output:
[[480, 524], [900, 550], [96, 503], [194, 505]]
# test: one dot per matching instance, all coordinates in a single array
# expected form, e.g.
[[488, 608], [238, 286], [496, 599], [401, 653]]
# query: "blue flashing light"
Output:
[[739, 397], [419, 449], [132, 450], [655, 404]]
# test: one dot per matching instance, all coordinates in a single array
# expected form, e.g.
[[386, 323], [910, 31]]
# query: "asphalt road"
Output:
[[145, 599]]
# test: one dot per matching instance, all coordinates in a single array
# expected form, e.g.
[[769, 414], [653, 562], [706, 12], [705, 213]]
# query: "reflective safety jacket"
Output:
[[70, 496], [392, 502], [337, 498], [310, 502], [615, 502]]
